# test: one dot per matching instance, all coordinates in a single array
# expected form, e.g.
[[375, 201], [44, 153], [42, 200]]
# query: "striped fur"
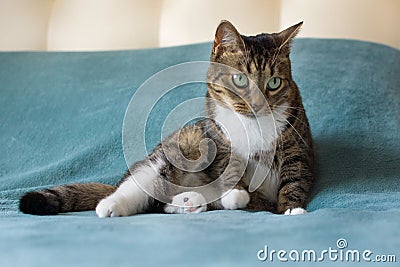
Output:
[[289, 153], [65, 198]]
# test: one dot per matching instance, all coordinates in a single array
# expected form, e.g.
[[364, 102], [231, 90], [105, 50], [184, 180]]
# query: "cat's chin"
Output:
[[254, 115]]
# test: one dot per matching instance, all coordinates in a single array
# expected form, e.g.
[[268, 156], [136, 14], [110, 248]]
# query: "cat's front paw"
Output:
[[187, 202], [235, 199], [110, 207], [295, 211]]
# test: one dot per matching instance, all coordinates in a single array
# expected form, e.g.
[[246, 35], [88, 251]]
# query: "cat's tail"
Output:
[[65, 198]]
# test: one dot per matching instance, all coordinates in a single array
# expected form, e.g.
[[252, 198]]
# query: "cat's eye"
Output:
[[274, 83], [240, 80]]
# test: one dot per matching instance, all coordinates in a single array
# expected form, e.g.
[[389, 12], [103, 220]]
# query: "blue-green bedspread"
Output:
[[61, 116]]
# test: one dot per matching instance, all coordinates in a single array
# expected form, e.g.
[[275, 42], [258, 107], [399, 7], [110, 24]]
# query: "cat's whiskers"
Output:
[[288, 107], [284, 119], [281, 148], [295, 117]]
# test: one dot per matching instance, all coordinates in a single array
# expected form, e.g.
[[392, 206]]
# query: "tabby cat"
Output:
[[261, 142]]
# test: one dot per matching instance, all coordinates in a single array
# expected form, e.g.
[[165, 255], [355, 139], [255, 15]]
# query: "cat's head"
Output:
[[258, 71]]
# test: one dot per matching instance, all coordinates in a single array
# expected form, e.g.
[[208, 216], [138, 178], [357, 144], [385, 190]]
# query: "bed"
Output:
[[61, 119]]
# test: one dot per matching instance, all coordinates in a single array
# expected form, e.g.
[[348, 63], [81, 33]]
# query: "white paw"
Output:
[[109, 207], [187, 202], [235, 199], [295, 211]]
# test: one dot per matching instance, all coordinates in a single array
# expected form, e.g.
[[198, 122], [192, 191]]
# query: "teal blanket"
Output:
[[61, 118]]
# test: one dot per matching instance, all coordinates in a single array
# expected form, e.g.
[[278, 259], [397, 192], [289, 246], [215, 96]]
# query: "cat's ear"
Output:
[[286, 36], [227, 36]]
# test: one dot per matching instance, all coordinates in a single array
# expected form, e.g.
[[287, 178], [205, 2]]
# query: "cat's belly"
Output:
[[269, 188]]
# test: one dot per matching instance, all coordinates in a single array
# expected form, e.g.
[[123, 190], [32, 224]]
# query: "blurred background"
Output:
[[70, 25]]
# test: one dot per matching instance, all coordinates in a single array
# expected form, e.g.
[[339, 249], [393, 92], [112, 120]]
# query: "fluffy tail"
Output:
[[65, 198]]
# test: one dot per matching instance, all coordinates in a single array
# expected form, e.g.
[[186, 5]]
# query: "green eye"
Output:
[[274, 83], [240, 80]]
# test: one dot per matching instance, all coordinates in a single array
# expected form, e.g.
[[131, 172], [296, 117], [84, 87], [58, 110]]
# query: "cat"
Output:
[[263, 150]]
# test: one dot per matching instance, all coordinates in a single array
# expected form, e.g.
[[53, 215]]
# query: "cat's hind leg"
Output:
[[132, 197]]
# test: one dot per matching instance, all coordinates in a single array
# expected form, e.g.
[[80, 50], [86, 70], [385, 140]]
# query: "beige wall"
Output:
[[184, 21], [128, 24], [103, 24], [23, 24], [372, 20]]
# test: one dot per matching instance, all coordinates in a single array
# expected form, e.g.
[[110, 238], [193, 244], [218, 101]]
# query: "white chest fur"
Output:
[[249, 136]]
